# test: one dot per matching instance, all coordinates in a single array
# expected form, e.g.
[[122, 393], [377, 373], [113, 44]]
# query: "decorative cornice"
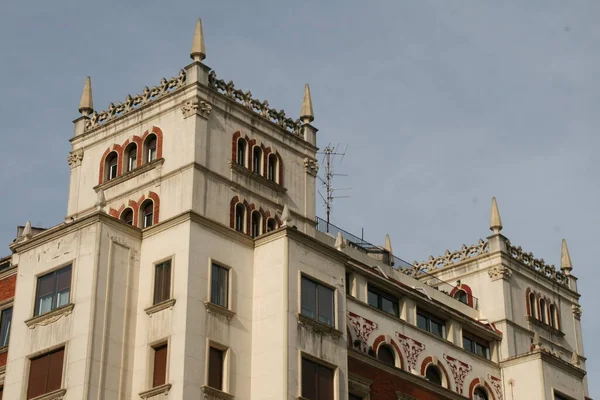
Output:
[[50, 317], [577, 311], [128, 175], [54, 395], [538, 265], [75, 158], [196, 107], [217, 309], [318, 327], [548, 357], [215, 394], [8, 272], [155, 391], [500, 272], [163, 305], [449, 258], [311, 166]]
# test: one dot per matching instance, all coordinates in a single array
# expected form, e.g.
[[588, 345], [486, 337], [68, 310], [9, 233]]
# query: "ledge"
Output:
[[8, 272], [217, 309], [50, 317], [54, 395], [267, 182], [156, 390], [128, 175], [214, 394], [318, 327], [537, 322], [163, 305]]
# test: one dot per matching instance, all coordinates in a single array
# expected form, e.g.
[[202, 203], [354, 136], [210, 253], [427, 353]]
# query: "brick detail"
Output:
[[156, 209], [429, 361], [3, 358], [465, 288], [477, 382], [7, 287]]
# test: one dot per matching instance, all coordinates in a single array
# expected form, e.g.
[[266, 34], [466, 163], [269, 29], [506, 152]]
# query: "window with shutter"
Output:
[[159, 373], [162, 282], [215, 368], [317, 381], [45, 373], [53, 290]]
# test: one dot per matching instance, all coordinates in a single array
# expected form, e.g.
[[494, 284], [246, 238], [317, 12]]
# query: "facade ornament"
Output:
[[75, 158], [412, 349], [496, 384], [575, 359], [100, 201], [499, 272], [132, 103], [538, 265], [261, 108], [449, 258], [537, 342], [460, 370], [565, 259], [577, 310], [27, 231], [306, 114], [86, 104], [198, 52], [362, 328], [495, 220], [339, 241], [286, 219], [191, 107], [311, 166]]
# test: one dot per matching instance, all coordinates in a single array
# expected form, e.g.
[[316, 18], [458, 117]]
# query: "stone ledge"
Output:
[[318, 327], [267, 182], [54, 395], [537, 322], [163, 305], [50, 317], [128, 175], [156, 390], [215, 394], [217, 309]]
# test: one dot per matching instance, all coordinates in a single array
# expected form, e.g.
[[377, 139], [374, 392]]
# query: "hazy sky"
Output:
[[443, 104]]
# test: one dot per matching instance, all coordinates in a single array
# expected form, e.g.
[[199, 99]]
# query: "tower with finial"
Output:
[[565, 259], [198, 52], [495, 221], [86, 104]]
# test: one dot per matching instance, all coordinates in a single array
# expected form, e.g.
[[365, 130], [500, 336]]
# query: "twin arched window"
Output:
[[241, 152], [256, 222], [256, 162], [240, 217], [150, 148], [433, 375], [112, 165], [130, 157], [123, 160], [543, 311], [147, 209]]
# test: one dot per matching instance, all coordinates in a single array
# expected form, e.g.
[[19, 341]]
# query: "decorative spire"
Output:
[[306, 115], [495, 221], [339, 241], [86, 105], [27, 231], [537, 341], [286, 219], [100, 200], [565, 259], [198, 50], [388, 243]]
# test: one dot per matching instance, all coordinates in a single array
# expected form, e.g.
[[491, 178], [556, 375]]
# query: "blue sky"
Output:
[[443, 104]]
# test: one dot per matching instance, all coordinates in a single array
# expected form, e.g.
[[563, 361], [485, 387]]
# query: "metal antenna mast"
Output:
[[329, 154]]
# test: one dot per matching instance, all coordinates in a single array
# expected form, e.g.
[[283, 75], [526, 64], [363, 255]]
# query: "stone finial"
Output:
[[575, 359], [339, 241], [537, 341], [388, 243], [286, 219], [495, 221], [27, 231], [565, 259], [100, 200], [86, 104], [306, 115], [198, 52]]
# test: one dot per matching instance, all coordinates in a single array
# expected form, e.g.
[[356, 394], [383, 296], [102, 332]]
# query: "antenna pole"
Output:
[[329, 154]]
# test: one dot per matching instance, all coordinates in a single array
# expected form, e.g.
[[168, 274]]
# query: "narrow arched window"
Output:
[[127, 216], [543, 311], [112, 162], [271, 224], [241, 152], [240, 216], [532, 305], [150, 148], [256, 222], [480, 394], [553, 316], [272, 168], [433, 375], [461, 296], [130, 157], [147, 213], [385, 354], [257, 160]]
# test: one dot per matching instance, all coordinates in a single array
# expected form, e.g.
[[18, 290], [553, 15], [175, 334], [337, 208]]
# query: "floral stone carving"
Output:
[[196, 107], [499, 272], [363, 329], [412, 349], [75, 158], [538, 265], [460, 370], [311, 166], [448, 258], [496, 383]]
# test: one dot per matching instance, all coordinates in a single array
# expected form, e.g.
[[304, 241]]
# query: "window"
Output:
[[355, 397], [385, 354], [433, 375], [317, 301], [317, 381], [272, 167], [5, 321], [480, 394], [348, 288], [219, 285], [383, 301], [147, 214], [162, 282], [240, 216], [461, 296], [476, 345], [241, 152], [532, 305], [553, 316], [271, 224], [159, 372], [150, 148], [127, 216], [111, 166], [431, 324], [45, 373], [558, 396], [543, 316], [53, 290], [256, 222], [5, 265], [257, 160], [216, 363], [131, 160]]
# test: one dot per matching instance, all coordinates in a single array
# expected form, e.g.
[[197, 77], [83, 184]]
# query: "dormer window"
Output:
[[241, 152], [127, 216], [131, 157], [257, 160], [112, 162], [256, 223], [147, 213], [240, 216], [150, 147], [272, 168]]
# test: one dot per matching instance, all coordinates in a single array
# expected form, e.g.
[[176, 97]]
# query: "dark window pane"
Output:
[[433, 375], [422, 321], [239, 217], [309, 379], [347, 282], [241, 152], [467, 344], [162, 282], [271, 173], [309, 298], [325, 299], [325, 383], [255, 231], [215, 368], [256, 161], [480, 394], [5, 322], [389, 306], [437, 328], [373, 299], [127, 216], [38, 376], [219, 285], [355, 397], [386, 355], [159, 375], [55, 370], [461, 296]]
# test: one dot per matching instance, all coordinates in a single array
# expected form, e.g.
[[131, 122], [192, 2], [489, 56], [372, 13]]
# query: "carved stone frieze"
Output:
[[460, 370], [496, 384], [499, 272], [538, 265], [362, 328], [196, 107], [75, 158], [311, 166], [412, 349], [448, 258], [577, 310]]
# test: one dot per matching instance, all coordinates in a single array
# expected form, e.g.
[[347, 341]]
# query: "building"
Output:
[[191, 264]]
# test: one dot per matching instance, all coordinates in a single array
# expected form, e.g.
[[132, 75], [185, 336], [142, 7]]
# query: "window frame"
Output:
[[2, 311], [225, 367], [235, 217], [155, 265], [481, 388], [148, 155], [429, 318], [383, 294], [54, 271], [211, 263], [439, 372], [243, 152], [258, 225], [273, 168], [319, 363], [318, 283], [47, 352], [258, 170], [543, 304], [390, 348], [532, 305], [143, 214], [153, 348], [268, 228], [121, 217], [476, 340], [127, 159], [109, 165]]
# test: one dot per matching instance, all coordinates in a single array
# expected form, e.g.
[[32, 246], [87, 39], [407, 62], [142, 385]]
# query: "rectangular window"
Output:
[[5, 321], [383, 301], [348, 291], [159, 372], [317, 302], [53, 290], [216, 358], [162, 282], [219, 285], [45, 373], [431, 324], [476, 345], [317, 381]]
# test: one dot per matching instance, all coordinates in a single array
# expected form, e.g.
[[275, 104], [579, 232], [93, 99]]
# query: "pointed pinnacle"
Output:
[[388, 243], [495, 221], [565, 259], [306, 115], [285, 216], [339, 241], [198, 50], [86, 105], [27, 230]]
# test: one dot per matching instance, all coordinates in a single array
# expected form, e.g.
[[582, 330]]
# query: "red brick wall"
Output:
[[7, 287]]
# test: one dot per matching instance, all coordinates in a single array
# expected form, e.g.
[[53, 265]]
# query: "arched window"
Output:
[[532, 305], [256, 223], [127, 216], [480, 394], [112, 161], [241, 152], [543, 315], [553, 316], [130, 157], [147, 213], [385, 354], [150, 148], [461, 296], [433, 375], [240, 216], [272, 167], [271, 224], [257, 160]]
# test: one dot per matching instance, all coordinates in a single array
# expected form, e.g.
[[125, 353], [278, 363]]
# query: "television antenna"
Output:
[[329, 154]]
